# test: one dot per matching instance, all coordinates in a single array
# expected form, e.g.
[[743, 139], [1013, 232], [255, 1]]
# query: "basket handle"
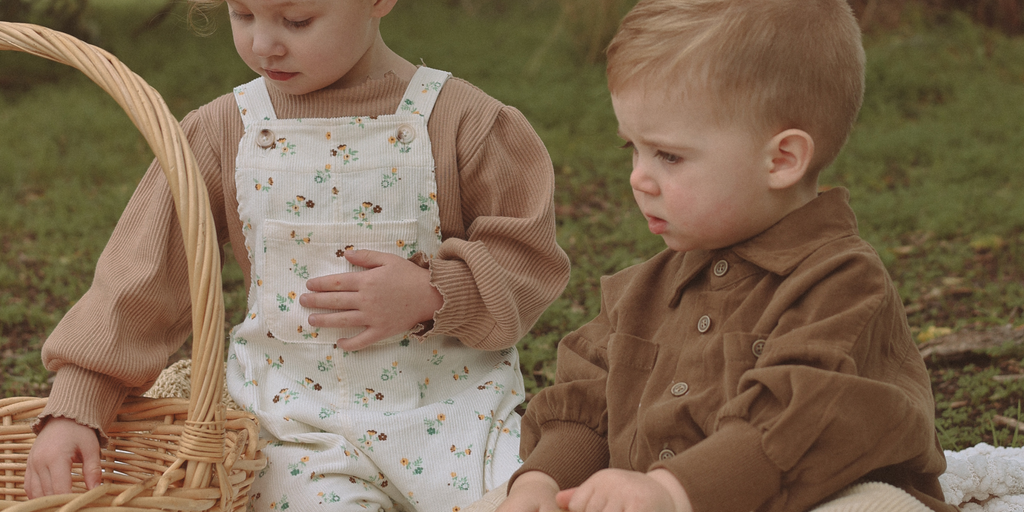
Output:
[[149, 113]]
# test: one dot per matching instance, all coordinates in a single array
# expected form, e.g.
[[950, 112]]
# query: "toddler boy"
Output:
[[762, 362]]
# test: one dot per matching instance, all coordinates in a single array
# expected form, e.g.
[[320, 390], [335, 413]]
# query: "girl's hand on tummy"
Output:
[[390, 297]]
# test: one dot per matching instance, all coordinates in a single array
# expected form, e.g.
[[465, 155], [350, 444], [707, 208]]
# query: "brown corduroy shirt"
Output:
[[766, 376], [498, 268]]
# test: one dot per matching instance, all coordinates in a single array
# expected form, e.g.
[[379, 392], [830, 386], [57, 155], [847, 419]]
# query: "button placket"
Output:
[[758, 348], [721, 268]]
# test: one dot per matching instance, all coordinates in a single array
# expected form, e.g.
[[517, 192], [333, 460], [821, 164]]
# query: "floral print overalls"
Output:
[[401, 425]]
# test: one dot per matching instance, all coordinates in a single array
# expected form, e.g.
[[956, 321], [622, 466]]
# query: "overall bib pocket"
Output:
[[296, 252]]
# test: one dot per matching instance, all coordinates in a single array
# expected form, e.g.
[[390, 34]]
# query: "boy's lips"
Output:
[[279, 75], [656, 225]]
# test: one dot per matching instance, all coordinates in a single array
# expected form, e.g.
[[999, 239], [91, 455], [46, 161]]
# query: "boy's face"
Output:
[[301, 46], [700, 184]]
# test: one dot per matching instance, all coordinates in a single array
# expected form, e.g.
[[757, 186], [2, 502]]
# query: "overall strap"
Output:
[[254, 102], [423, 91]]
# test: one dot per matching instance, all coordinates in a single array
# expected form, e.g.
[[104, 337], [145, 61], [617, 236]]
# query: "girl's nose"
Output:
[[265, 44]]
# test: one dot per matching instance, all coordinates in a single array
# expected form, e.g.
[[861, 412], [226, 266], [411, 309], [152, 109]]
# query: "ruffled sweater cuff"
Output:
[[91, 399]]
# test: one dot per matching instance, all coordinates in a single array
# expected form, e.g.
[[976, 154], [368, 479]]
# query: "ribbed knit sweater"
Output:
[[498, 268]]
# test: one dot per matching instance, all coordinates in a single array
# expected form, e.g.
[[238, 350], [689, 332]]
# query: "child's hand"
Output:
[[61, 442], [618, 490], [533, 491], [389, 298]]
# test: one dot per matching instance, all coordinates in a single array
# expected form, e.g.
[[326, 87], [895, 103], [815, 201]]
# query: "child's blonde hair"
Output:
[[776, 64]]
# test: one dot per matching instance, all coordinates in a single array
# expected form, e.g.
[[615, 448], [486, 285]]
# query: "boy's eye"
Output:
[[668, 157]]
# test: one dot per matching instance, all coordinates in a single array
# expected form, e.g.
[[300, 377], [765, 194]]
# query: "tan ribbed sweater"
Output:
[[498, 268]]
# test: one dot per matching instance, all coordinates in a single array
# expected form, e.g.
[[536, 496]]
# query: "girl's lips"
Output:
[[279, 75]]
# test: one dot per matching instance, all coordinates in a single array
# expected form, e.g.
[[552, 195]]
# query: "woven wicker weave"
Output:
[[163, 454]]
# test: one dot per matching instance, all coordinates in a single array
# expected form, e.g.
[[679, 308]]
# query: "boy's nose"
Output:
[[641, 181]]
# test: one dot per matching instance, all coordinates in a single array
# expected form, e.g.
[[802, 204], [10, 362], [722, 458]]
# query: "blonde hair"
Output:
[[776, 64]]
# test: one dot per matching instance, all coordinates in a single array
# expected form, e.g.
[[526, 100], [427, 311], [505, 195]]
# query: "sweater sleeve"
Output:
[[507, 269], [116, 339], [839, 391]]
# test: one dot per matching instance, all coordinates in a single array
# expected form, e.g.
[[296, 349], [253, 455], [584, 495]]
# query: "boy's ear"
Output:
[[381, 8], [791, 153]]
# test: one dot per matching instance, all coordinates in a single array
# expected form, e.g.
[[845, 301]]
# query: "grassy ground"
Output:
[[932, 169]]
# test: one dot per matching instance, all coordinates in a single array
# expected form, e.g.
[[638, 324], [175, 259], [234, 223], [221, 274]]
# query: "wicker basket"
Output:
[[163, 454]]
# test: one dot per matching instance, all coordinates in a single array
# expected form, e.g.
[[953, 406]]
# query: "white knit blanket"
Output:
[[984, 478]]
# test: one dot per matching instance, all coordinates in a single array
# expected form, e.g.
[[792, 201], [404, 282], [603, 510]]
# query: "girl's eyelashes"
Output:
[[298, 24], [628, 145], [235, 15]]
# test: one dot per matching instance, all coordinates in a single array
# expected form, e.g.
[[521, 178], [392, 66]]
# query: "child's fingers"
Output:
[[370, 259], [347, 282], [361, 340], [563, 498], [91, 469]]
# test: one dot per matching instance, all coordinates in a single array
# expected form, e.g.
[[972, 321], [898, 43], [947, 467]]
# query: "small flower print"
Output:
[[281, 504], [311, 335], [415, 466], [325, 365], [427, 201], [334, 193], [327, 413], [274, 363], [283, 301], [431, 86], [410, 106], [296, 468], [461, 452], [366, 396], [323, 175], [403, 146], [390, 179], [368, 440], [436, 358], [300, 203], [499, 389], [328, 136], [301, 271], [434, 425], [301, 240], [330, 497], [423, 387], [460, 483], [260, 187], [285, 396], [461, 376], [389, 373], [347, 154], [287, 148], [358, 121], [364, 214]]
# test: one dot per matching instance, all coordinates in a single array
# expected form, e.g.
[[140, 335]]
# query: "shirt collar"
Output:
[[783, 246]]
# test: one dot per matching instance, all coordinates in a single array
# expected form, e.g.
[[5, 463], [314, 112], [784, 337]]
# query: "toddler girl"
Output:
[[396, 227]]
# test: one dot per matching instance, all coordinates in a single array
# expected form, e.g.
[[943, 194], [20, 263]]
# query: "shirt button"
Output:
[[680, 388], [265, 139], [721, 268], [406, 134], [758, 348], [666, 454], [704, 324]]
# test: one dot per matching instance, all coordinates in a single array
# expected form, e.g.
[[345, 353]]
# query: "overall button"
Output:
[[666, 454], [265, 139], [680, 388], [758, 348], [704, 324], [406, 134], [721, 268]]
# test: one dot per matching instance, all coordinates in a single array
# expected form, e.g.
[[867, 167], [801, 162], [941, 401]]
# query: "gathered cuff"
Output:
[[569, 452], [88, 397]]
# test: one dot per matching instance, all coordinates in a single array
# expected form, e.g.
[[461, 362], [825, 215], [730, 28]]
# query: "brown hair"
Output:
[[776, 64]]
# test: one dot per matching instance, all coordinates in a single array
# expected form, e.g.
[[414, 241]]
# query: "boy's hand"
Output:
[[533, 491], [618, 490], [389, 298], [61, 442]]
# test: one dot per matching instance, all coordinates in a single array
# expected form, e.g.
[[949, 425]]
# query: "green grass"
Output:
[[932, 166]]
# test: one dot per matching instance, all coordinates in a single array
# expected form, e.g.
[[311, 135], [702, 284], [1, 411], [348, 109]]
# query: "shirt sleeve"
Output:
[[565, 428], [839, 391], [117, 338], [503, 273]]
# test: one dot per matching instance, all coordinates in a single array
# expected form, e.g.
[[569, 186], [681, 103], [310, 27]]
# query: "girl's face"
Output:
[[301, 46]]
